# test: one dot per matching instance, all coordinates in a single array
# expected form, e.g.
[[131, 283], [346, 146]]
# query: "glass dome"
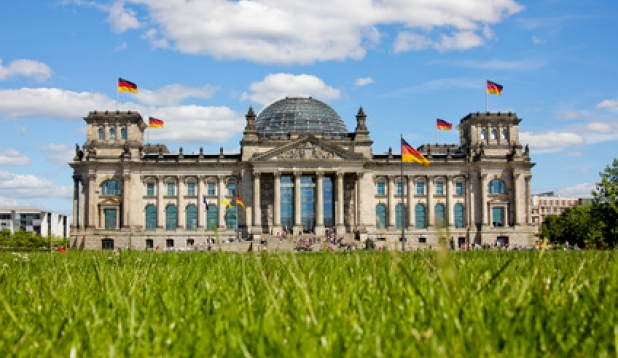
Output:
[[299, 115]]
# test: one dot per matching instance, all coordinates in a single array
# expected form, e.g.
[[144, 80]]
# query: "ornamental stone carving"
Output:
[[307, 151]]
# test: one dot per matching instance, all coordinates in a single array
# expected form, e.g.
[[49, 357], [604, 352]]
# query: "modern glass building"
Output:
[[300, 171]]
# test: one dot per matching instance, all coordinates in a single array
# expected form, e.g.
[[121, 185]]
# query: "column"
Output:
[[160, 202], [221, 207], [298, 225], [483, 206], [182, 206], [390, 216], [515, 200], [340, 227], [201, 206], [257, 213], [126, 202], [410, 202], [92, 201], [450, 218], [76, 213], [528, 200], [360, 219], [277, 203], [319, 218], [430, 216]]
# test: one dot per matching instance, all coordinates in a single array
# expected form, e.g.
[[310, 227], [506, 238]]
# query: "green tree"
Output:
[[580, 226], [605, 201], [551, 230]]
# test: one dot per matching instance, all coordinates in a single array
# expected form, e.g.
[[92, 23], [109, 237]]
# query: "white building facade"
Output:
[[29, 219], [300, 172]]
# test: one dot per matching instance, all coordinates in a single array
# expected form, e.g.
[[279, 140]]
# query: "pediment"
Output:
[[306, 149]]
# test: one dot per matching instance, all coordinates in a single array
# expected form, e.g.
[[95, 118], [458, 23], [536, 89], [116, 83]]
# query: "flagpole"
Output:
[[404, 210], [117, 92], [486, 94]]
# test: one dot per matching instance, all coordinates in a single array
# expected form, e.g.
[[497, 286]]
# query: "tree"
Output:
[[605, 201]]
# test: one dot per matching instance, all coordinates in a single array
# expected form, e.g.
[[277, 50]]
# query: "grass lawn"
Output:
[[352, 304]]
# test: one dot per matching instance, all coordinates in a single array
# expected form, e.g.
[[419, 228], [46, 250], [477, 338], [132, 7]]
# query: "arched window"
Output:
[[230, 217], [380, 216], [191, 217], [504, 134], [496, 186], [112, 133], [231, 189], [419, 215], [151, 217], [439, 215], [483, 134], [211, 218], [101, 133], [399, 187], [111, 188], [399, 215], [381, 188], [494, 134], [123, 133], [459, 215], [171, 217]]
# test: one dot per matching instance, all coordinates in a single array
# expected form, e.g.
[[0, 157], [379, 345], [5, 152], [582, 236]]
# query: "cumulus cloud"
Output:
[[278, 85], [12, 157], [17, 186], [582, 190], [364, 81], [207, 124], [550, 141], [300, 31], [120, 18], [608, 103], [58, 153], [25, 68], [173, 94]]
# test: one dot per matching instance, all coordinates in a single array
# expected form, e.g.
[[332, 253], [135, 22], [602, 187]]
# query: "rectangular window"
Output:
[[399, 188], [171, 189], [110, 219], [150, 189], [191, 189], [497, 216], [381, 188], [211, 189], [459, 188], [439, 188], [231, 189], [420, 188]]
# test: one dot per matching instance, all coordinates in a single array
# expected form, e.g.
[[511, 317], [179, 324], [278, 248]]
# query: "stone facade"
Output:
[[128, 194]]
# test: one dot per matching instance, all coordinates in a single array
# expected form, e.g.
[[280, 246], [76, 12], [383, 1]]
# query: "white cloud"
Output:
[[195, 124], [25, 68], [50, 102], [608, 103], [574, 154], [12, 157], [364, 81], [279, 85], [550, 141], [582, 190], [537, 41], [120, 18], [155, 40], [15, 186], [407, 41], [300, 31], [599, 127], [58, 153], [171, 95], [570, 115]]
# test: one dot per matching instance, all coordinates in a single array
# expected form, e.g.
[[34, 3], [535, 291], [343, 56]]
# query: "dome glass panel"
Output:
[[299, 115]]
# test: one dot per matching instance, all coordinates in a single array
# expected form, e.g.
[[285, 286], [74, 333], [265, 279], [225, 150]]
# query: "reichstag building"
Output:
[[300, 173]]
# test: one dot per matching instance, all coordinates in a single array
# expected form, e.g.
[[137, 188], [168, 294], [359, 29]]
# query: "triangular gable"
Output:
[[306, 148]]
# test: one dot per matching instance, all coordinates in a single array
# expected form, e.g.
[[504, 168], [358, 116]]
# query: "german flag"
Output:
[[411, 155], [155, 123], [494, 88], [126, 86], [444, 125]]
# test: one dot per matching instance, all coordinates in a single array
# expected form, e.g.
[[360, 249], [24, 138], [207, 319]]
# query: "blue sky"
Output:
[[199, 65]]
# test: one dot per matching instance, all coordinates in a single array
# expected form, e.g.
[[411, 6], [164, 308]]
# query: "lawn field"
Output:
[[352, 304]]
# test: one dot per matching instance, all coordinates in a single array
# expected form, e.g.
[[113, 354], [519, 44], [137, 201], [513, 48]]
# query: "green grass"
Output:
[[358, 304]]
